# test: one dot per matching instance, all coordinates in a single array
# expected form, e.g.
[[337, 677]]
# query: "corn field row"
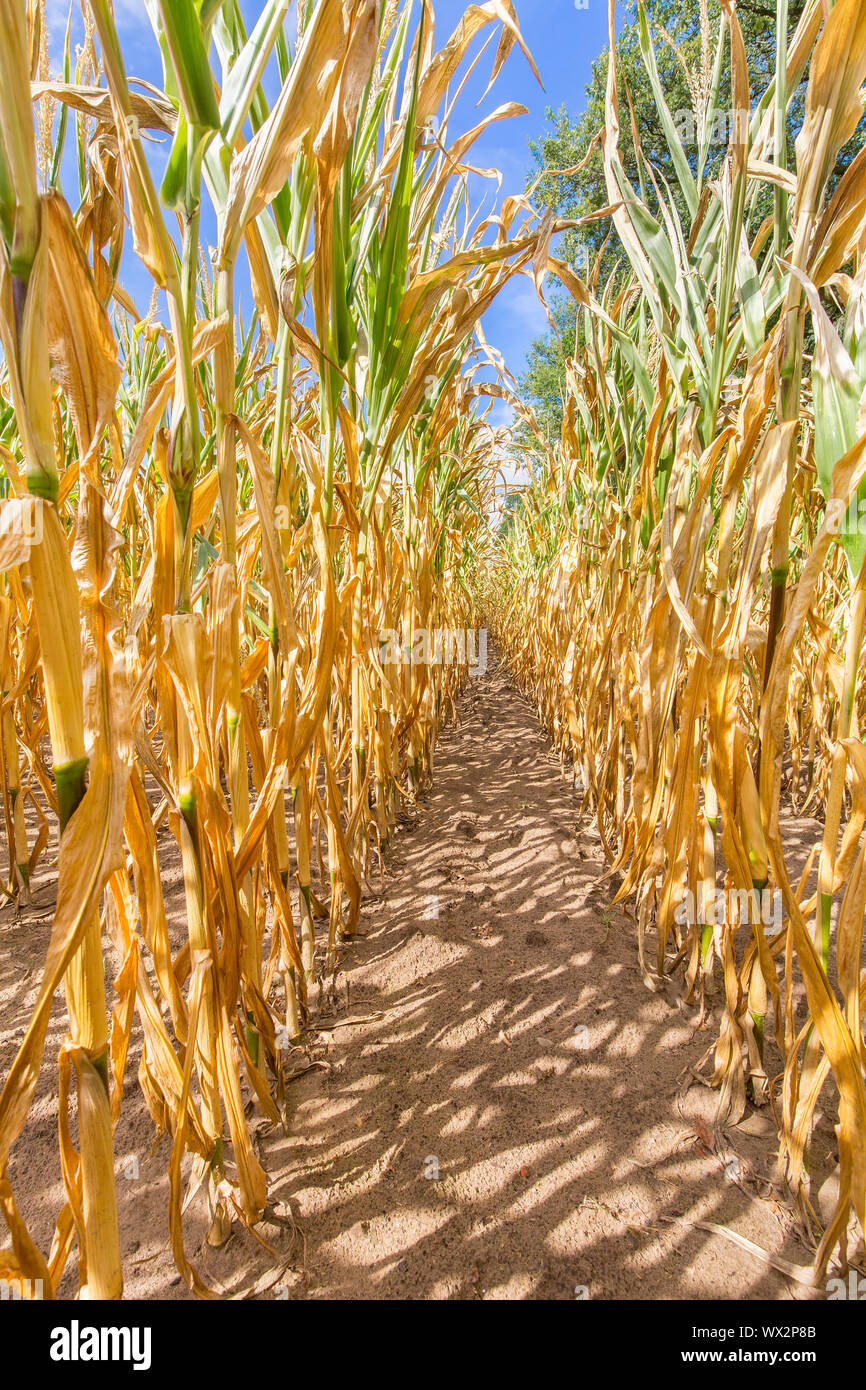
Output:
[[682, 591], [208, 522], [211, 514]]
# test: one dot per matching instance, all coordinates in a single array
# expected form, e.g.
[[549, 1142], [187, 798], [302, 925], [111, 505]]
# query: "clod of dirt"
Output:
[[536, 938], [827, 1197], [757, 1123]]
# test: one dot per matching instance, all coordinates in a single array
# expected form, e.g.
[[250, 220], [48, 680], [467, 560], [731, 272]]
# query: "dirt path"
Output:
[[509, 1122], [519, 1056]]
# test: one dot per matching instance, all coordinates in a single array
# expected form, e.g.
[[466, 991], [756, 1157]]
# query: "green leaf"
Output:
[[186, 45]]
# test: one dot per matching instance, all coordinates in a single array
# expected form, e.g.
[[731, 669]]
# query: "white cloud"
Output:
[[502, 415]]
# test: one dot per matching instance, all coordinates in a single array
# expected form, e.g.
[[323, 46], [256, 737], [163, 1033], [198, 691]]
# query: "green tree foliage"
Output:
[[684, 60]]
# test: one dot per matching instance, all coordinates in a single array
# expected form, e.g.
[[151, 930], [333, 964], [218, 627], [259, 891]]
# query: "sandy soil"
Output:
[[506, 1116]]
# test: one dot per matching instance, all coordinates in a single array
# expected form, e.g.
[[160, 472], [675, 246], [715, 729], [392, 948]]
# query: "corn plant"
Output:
[[238, 493], [681, 588]]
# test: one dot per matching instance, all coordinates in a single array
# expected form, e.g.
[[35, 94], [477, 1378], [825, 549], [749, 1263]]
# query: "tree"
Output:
[[684, 61]]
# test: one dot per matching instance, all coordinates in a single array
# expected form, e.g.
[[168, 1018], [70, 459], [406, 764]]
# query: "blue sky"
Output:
[[564, 37], [563, 40]]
